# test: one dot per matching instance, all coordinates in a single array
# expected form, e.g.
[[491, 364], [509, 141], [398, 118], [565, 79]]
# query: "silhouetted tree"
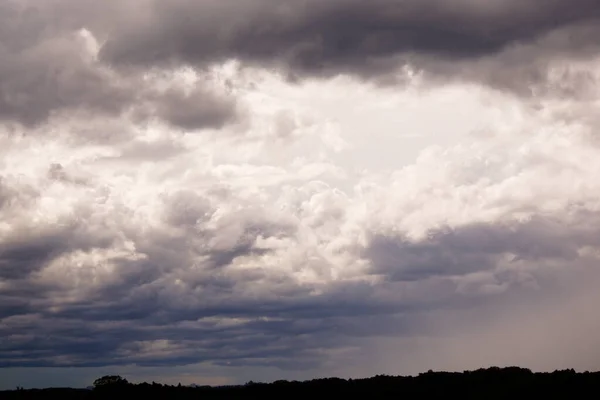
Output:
[[110, 381], [492, 383]]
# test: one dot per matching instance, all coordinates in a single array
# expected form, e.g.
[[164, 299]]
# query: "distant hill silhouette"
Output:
[[491, 383]]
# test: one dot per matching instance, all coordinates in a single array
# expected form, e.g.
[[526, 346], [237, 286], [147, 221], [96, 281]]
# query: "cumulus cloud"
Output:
[[316, 221], [497, 41], [50, 69]]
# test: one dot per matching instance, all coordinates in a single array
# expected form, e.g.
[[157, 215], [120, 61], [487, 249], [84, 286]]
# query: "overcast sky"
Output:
[[217, 191]]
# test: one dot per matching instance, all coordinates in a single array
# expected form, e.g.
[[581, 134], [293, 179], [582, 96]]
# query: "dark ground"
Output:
[[492, 383]]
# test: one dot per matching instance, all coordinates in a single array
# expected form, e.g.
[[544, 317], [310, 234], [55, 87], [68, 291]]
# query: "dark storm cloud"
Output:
[[78, 339], [185, 301], [208, 279], [22, 257], [31, 250], [368, 38], [210, 316], [200, 108], [141, 317], [43, 70], [477, 247], [46, 72], [47, 69]]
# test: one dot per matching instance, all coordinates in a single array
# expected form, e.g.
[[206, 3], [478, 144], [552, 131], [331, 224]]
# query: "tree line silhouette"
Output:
[[491, 383]]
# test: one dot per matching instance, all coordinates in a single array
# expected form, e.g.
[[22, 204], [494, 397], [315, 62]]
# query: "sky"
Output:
[[218, 191]]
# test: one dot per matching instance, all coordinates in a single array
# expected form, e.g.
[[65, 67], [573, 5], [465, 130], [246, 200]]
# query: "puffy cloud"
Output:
[[314, 221], [229, 265], [506, 43], [51, 69]]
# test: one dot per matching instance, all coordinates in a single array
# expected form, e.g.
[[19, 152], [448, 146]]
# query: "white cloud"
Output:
[[331, 211]]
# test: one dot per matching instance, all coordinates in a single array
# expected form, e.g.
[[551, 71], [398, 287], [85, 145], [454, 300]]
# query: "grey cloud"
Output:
[[185, 299], [184, 302], [28, 251], [47, 71], [111, 323], [200, 108], [50, 75], [541, 67], [20, 258], [478, 247], [57, 172], [143, 151], [153, 323], [245, 245], [209, 316], [6, 194], [87, 342], [364, 38]]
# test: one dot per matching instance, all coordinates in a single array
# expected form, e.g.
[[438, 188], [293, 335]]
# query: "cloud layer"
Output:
[[289, 188], [460, 39]]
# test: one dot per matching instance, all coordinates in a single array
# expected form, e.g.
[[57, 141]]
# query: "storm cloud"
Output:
[[259, 189], [462, 39], [50, 68]]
